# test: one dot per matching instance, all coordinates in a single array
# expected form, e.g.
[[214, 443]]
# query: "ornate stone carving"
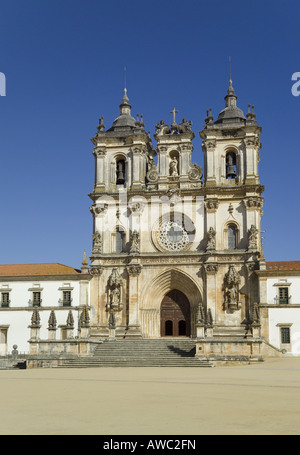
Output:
[[174, 167], [52, 321], [204, 319], [114, 286], [195, 173], [134, 269], [35, 319], [254, 203], [99, 210], [211, 267], [210, 145], [252, 238], [97, 243], [211, 242], [231, 285], [211, 205], [84, 320], [162, 128], [70, 320], [185, 126], [136, 207], [135, 242], [100, 151], [152, 174], [172, 236], [94, 270]]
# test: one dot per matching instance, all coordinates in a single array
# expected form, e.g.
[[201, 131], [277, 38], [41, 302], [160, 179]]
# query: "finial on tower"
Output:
[[84, 268]]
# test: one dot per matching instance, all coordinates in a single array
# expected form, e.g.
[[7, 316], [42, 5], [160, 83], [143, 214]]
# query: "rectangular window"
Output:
[[36, 298], [3, 341], [5, 299], [232, 233], [283, 295], [119, 242], [285, 335], [67, 298]]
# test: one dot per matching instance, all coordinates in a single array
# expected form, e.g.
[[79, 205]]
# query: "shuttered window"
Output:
[[285, 335], [283, 295]]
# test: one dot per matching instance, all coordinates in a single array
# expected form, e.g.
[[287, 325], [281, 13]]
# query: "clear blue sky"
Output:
[[64, 60]]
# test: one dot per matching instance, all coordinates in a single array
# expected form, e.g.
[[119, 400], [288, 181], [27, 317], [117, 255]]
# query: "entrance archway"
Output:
[[175, 315]]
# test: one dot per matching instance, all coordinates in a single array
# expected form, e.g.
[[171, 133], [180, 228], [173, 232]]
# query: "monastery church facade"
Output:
[[176, 249]]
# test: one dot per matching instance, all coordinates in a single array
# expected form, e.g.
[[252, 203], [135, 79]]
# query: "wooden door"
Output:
[[175, 315]]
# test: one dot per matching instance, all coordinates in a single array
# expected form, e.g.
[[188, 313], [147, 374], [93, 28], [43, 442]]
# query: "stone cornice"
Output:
[[277, 273]]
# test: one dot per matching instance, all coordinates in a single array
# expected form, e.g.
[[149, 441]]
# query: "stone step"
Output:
[[141, 353]]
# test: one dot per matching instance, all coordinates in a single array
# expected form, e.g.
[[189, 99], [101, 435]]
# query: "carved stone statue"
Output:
[[252, 236], [162, 128], [174, 167], [97, 243], [114, 287], [232, 281], [195, 173], [211, 242], [114, 299], [185, 126], [152, 174], [135, 242]]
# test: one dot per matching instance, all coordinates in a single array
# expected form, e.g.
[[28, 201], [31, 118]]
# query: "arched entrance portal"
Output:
[[175, 315]]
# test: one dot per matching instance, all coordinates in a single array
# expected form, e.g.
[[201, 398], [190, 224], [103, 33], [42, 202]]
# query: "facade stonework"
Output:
[[176, 252], [168, 225]]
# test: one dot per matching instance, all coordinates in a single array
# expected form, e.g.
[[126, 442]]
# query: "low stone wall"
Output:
[[235, 350], [229, 349]]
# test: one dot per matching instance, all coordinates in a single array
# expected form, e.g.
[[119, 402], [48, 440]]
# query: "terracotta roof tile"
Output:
[[36, 269], [283, 265]]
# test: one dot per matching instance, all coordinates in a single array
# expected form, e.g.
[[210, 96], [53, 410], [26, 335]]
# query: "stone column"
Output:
[[100, 155], [211, 269], [134, 270]]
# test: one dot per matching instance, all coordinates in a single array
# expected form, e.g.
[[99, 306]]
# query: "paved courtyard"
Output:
[[252, 399]]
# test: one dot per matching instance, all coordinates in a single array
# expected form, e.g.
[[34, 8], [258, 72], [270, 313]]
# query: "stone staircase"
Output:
[[140, 353]]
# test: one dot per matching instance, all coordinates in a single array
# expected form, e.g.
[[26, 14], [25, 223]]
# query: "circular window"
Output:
[[172, 236]]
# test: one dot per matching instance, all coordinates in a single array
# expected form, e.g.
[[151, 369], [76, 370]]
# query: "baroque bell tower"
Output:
[[233, 209]]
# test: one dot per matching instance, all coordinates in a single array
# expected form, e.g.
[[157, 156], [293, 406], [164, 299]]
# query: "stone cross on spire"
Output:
[[174, 112]]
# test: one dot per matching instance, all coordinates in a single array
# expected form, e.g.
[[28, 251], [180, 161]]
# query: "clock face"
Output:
[[172, 236]]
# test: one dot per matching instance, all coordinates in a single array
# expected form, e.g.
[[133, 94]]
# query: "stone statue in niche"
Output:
[[174, 167], [114, 299], [211, 242], [97, 243], [135, 242], [252, 238], [231, 286], [152, 174], [114, 287]]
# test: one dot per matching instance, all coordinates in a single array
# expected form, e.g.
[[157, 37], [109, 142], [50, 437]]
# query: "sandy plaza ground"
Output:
[[252, 399]]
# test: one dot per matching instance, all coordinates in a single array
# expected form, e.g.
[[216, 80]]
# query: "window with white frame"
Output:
[[5, 301], [285, 335]]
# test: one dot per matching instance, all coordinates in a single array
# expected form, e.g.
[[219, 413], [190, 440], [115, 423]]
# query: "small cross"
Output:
[[174, 112]]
